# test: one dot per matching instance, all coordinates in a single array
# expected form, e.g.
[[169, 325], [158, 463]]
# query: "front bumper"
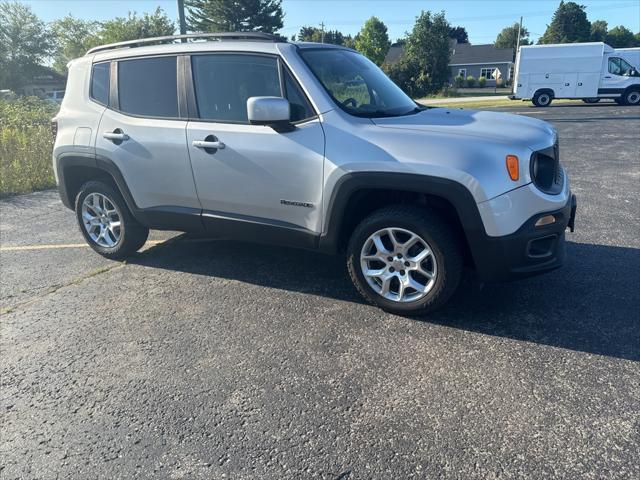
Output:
[[529, 251]]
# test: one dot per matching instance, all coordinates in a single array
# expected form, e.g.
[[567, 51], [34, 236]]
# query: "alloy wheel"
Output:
[[398, 264], [101, 220]]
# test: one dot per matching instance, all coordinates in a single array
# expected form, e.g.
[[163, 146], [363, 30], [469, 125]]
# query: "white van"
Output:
[[587, 71]]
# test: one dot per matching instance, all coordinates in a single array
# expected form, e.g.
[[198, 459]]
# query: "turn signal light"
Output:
[[513, 167]]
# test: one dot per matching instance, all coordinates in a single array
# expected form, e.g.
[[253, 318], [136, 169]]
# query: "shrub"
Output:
[[458, 81], [470, 81], [482, 82], [25, 145]]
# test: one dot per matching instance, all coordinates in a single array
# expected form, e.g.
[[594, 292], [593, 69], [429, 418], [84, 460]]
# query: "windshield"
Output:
[[357, 85]]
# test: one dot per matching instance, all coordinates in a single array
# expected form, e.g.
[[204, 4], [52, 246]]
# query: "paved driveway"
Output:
[[229, 360]]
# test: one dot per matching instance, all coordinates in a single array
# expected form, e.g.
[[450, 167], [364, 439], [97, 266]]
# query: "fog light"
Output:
[[546, 220]]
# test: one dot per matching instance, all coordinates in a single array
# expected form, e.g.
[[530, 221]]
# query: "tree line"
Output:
[[27, 42]]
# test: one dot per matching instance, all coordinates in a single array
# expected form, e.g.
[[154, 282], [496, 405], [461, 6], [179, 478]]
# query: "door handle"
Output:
[[206, 144], [607, 77], [210, 144], [117, 136]]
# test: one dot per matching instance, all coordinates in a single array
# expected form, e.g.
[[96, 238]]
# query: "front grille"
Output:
[[546, 171]]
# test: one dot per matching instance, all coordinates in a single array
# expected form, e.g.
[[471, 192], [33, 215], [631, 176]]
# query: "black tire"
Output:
[[444, 244], [542, 99], [133, 235], [590, 100], [631, 97]]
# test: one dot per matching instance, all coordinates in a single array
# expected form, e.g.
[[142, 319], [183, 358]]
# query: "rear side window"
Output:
[[301, 109], [224, 82], [148, 87], [100, 83]]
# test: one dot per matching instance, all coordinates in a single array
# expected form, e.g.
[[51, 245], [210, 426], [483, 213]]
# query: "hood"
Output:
[[495, 127]]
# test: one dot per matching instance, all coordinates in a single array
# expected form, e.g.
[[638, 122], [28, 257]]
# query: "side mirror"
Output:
[[274, 112]]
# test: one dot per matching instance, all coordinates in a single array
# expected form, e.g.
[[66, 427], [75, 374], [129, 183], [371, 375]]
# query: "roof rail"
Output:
[[265, 37]]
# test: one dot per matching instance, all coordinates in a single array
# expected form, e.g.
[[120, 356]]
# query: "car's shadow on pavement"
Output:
[[591, 304]]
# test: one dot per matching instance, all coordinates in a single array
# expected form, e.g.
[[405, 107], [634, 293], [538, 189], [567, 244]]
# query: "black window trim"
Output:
[[192, 105], [93, 99], [187, 105]]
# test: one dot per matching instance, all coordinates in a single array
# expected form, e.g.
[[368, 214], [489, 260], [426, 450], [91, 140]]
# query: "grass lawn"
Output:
[[489, 103]]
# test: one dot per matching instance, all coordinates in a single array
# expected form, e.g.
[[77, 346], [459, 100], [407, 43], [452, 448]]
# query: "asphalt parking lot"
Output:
[[226, 360]]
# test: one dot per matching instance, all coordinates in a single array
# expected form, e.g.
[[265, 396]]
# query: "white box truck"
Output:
[[587, 71]]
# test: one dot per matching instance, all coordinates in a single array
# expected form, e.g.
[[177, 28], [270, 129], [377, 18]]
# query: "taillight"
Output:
[[54, 128]]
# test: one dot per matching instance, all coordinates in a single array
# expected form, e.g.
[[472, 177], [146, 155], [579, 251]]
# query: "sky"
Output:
[[483, 19]]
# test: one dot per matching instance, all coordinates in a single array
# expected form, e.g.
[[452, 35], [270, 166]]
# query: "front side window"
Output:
[[356, 84], [618, 66], [148, 87], [100, 83], [224, 82]]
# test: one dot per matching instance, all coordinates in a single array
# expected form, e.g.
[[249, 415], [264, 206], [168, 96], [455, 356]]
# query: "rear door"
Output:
[[143, 133], [261, 176]]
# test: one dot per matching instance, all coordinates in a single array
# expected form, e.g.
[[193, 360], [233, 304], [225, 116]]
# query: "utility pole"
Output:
[[183, 25], [518, 39], [515, 68], [322, 32]]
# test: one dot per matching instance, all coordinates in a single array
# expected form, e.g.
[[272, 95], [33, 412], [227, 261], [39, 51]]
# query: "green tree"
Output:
[[132, 27], [508, 37], [637, 38], [428, 47], [599, 30], [459, 34], [404, 73], [568, 25], [333, 37], [73, 37], [620, 37], [24, 44], [234, 15], [373, 40]]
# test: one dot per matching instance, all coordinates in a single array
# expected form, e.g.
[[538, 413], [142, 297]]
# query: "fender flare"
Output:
[[76, 159], [455, 193], [160, 218]]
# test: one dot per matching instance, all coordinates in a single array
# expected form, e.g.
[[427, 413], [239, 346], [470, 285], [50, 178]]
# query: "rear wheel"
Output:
[[542, 99], [106, 223], [405, 259]]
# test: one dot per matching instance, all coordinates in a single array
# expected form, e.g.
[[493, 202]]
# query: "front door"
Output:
[[257, 177], [616, 75]]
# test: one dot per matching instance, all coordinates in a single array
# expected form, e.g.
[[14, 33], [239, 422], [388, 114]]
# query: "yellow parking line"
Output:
[[21, 248]]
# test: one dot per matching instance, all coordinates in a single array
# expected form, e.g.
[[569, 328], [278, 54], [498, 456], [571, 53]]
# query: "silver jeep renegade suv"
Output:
[[247, 136]]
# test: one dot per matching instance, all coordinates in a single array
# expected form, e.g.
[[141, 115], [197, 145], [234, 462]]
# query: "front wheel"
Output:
[[631, 97], [106, 223], [405, 259]]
